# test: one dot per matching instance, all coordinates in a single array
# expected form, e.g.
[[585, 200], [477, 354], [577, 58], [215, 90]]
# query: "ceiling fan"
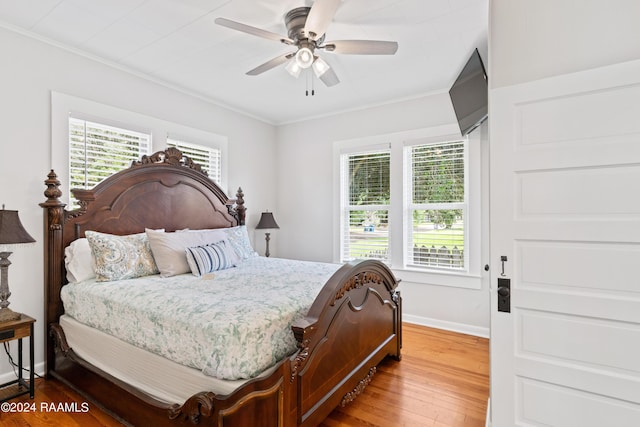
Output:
[[306, 27]]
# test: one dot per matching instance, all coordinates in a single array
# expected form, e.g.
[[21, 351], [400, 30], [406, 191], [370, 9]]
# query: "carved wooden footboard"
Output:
[[353, 324]]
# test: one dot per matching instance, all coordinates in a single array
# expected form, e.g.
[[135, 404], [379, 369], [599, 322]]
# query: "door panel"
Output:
[[565, 211], [549, 404]]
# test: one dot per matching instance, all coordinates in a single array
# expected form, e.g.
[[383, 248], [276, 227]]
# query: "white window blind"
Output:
[[209, 158], [98, 150], [437, 205], [365, 205]]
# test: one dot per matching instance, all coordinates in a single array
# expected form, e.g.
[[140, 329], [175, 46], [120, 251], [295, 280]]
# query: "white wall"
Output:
[[306, 201], [305, 172], [530, 40], [30, 71]]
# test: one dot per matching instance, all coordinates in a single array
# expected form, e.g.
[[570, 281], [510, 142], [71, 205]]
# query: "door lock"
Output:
[[504, 295]]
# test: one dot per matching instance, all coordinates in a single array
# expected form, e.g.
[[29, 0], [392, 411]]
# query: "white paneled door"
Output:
[[565, 212]]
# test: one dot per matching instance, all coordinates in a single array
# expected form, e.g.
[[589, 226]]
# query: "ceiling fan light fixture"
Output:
[[304, 57], [293, 68], [320, 67], [306, 29]]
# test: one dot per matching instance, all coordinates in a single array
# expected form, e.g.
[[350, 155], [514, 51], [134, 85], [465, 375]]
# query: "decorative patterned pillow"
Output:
[[209, 258], [121, 257], [239, 239]]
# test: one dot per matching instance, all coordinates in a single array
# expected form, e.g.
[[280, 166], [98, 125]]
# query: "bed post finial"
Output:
[[240, 209], [53, 191]]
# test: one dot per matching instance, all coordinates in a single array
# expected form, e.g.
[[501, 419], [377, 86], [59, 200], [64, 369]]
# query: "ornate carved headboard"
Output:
[[165, 190]]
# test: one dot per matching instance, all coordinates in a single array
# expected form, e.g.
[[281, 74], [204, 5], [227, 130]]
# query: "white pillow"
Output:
[[79, 261], [169, 248]]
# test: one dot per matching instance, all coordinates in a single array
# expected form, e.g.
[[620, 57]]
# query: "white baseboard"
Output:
[[487, 420], [5, 377], [447, 326]]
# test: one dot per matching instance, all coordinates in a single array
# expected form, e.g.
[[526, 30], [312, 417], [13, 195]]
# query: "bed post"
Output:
[[239, 208], [53, 260]]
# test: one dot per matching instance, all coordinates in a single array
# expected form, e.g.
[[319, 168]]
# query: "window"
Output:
[[366, 203], [98, 150], [412, 200], [90, 141], [436, 208], [209, 158]]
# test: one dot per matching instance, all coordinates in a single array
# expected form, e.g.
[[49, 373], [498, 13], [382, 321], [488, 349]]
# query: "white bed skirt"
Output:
[[154, 375]]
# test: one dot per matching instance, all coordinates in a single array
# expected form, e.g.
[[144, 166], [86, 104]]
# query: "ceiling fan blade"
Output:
[[253, 30], [270, 64], [329, 78], [362, 47], [320, 17]]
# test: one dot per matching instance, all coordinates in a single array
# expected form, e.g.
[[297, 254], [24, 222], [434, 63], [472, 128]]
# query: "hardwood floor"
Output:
[[442, 381]]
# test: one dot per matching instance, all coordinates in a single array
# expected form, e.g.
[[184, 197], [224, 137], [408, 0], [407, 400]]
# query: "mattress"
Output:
[[232, 325], [156, 376]]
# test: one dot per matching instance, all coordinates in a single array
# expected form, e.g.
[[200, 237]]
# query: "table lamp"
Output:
[[267, 222], [11, 233]]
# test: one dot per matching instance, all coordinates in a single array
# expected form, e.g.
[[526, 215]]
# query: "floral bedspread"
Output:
[[232, 325]]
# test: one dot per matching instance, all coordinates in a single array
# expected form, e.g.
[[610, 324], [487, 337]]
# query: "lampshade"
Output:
[[320, 66], [267, 221], [293, 68], [304, 57], [11, 229]]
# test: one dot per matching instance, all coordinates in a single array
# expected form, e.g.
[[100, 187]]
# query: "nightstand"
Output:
[[17, 330]]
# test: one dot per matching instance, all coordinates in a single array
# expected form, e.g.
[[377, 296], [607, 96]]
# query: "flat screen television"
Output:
[[469, 95]]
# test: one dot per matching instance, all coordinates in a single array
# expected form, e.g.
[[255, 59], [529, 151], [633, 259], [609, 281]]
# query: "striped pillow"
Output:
[[209, 258]]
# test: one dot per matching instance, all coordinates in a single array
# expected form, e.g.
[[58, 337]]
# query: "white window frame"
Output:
[[411, 206], [470, 277], [346, 207], [63, 105]]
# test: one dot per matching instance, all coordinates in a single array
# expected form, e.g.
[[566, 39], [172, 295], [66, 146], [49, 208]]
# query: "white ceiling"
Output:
[[176, 42]]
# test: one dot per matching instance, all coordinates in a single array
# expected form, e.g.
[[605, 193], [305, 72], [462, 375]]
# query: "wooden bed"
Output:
[[354, 323]]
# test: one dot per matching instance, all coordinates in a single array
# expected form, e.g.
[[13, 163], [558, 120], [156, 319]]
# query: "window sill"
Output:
[[439, 278]]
